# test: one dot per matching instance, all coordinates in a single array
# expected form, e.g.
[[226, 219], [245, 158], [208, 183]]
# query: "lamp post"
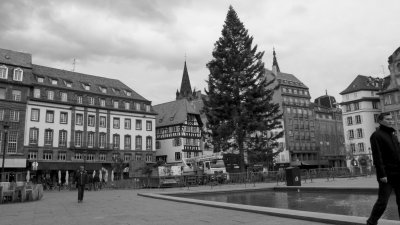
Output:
[[3, 176]]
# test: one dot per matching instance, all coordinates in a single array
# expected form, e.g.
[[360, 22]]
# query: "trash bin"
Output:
[[293, 177]]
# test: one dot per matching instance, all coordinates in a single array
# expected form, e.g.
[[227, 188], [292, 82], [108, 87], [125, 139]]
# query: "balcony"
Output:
[[189, 148]]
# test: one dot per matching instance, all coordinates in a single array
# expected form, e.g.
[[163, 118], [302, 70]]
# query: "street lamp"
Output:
[[3, 176]]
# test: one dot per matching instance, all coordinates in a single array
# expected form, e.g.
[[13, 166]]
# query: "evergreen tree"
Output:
[[239, 105]]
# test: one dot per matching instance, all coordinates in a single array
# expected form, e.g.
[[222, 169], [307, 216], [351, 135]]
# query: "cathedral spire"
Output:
[[186, 89], [275, 66]]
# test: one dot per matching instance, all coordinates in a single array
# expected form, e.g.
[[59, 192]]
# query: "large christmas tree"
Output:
[[239, 105]]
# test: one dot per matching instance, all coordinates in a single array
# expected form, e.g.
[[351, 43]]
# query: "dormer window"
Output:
[[103, 90], [128, 93], [68, 84], [18, 73], [147, 108], [54, 81], [40, 79], [3, 72], [86, 87], [116, 91]]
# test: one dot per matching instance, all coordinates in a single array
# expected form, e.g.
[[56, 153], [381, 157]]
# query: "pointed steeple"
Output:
[[275, 66], [186, 89]]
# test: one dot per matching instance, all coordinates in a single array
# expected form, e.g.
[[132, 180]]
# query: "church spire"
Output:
[[186, 89], [275, 66]]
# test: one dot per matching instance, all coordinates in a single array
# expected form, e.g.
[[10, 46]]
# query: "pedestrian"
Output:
[[81, 179], [386, 156]]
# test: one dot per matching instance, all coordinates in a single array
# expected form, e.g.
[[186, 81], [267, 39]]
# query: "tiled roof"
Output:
[[286, 77], [363, 83], [175, 112], [78, 80], [15, 58]]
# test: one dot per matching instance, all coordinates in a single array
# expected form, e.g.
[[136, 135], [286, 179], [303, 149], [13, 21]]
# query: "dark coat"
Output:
[[81, 178], [386, 153]]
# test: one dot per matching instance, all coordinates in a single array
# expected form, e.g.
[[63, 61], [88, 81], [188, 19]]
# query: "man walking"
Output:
[[386, 155], [81, 180]]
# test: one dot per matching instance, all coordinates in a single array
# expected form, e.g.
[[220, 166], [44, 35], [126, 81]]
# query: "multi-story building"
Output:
[[329, 131], [361, 107], [15, 75], [179, 125], [390, 93], [77, 119], [299, 142]]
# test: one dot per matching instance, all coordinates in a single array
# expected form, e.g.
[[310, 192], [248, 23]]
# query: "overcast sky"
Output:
[[324, 43]]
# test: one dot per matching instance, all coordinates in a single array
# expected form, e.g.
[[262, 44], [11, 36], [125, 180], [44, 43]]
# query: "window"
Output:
[[64, 96], [388, 99], [50, 95], [356, 106], [79, 119], [103, 121], [79, 99], [115, 103], [176, 142], [149, 125], [138, 157], [102, 102], [47, 155], [116, 141], [376, 118], [90, 140], [36, 93], [2, 93], [48, 137], [63, 117], [1, 114], [3, 72], [358, 119], [127, 124], [158, 145], [33, 136], [138, 124], [16, 95], [14, 116], [138, 142], [359, 133], [91, 101], [62, 138], [116, 123], [102, 157], [90, 157], [18, 74], [127, 105], [349, 120], [115, 156], [62, 156], [149, 143], [375, 105], [147, 108], [127, 142], [137, 106], [128, 93], [40, 79], [127, 157], [149, 158], [348, 108], [12, 142], [351, 134], [102, 140], [361, 147], [78, 138], [68, 84], [35, 115], [177, 156], [32, 155], [49, 116], [103, 89], [91, 120], [54, 81], [78, 155], [86, 87]]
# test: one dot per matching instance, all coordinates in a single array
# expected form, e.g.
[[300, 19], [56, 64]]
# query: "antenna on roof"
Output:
[[73, 65]]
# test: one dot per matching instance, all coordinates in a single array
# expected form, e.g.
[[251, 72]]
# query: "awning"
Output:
[[68, 165], [13, 163]]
